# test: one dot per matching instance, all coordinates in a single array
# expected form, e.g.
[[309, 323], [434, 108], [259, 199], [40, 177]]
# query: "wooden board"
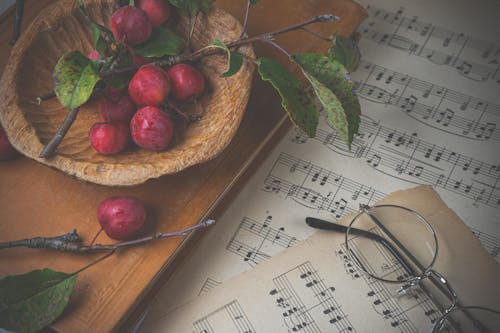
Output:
[[38, 201]]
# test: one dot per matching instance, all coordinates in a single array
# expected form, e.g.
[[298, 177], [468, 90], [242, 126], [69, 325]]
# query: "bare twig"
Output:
[[315, 34], [95, 262], [276, 45], [18, 18], [56, 243], [50, 147], [71, 242], [245, 22], [192, 24]]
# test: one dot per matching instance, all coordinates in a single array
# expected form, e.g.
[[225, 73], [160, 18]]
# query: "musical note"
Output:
[[305, 291], [251, 237], [457, 120], [218, 319], [447, 46]]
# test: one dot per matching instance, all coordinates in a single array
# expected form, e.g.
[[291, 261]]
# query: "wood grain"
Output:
[[36, 200], [61, 28]]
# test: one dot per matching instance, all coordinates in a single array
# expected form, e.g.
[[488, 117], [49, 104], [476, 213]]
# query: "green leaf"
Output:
[[299, 105], [74, 77], [96, 34], [192, 7], [99, 43], [335, 77], [161, 43], [346, 51], [234, 60], [332, 106], [31, 301]]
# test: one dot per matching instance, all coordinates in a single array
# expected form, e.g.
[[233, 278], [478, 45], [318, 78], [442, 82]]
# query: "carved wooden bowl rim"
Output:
[[105, 170]]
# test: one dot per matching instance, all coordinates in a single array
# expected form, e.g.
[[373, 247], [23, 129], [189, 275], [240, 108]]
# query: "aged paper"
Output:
[[313, 288], [428, 85]]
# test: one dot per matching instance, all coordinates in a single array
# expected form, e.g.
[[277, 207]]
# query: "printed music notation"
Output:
[[231, 313], [472, 57], [251, 237], [406, 157], [314, 187], [308, 302], [490, 243], [436, 106], [320, 189], [209, 285], [398, 311]]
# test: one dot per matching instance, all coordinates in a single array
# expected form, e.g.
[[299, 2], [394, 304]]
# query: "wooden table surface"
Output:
[[38, 201]]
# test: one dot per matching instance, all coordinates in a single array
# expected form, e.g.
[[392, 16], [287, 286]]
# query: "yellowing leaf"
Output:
[[297, 102], [75, 77]]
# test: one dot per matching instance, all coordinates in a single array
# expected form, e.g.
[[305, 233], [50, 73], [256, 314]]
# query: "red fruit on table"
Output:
[[187, 82], [7, 152], [121, 217], [109, 138], [157, 11], [149, 86], [116, 106], [151, 128], [130, 25]]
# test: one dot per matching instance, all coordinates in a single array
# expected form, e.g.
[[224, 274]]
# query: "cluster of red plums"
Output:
[[136, 112]]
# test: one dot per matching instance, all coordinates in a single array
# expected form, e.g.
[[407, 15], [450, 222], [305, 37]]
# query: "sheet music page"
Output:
[[314, 287], [429, 88]]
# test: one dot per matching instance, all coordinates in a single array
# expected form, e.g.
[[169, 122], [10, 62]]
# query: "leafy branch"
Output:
[[76, 77], [31, 301]]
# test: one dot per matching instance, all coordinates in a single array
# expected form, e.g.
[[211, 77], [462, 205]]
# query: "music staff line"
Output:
[[414, 160], [454, 119], [488, 67], [322, 304], [445, 120], [233, 311], [384, 303], [343, 194], [490, 242], [208, 285], [262, 234], [427, 89]]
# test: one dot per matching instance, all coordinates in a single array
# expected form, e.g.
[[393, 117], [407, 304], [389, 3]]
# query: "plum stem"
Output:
[[71, 242]]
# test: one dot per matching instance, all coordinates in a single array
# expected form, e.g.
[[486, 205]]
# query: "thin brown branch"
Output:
[[71, 242], [245, 22], [50, 147], [56, 243]]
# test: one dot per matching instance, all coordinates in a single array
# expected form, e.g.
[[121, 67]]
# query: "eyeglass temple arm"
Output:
[[325, 225]]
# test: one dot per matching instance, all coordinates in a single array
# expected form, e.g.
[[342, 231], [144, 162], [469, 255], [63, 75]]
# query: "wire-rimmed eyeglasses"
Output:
[[395, 244]]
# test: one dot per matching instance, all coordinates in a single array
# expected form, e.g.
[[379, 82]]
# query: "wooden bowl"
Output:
[[61, 28]]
